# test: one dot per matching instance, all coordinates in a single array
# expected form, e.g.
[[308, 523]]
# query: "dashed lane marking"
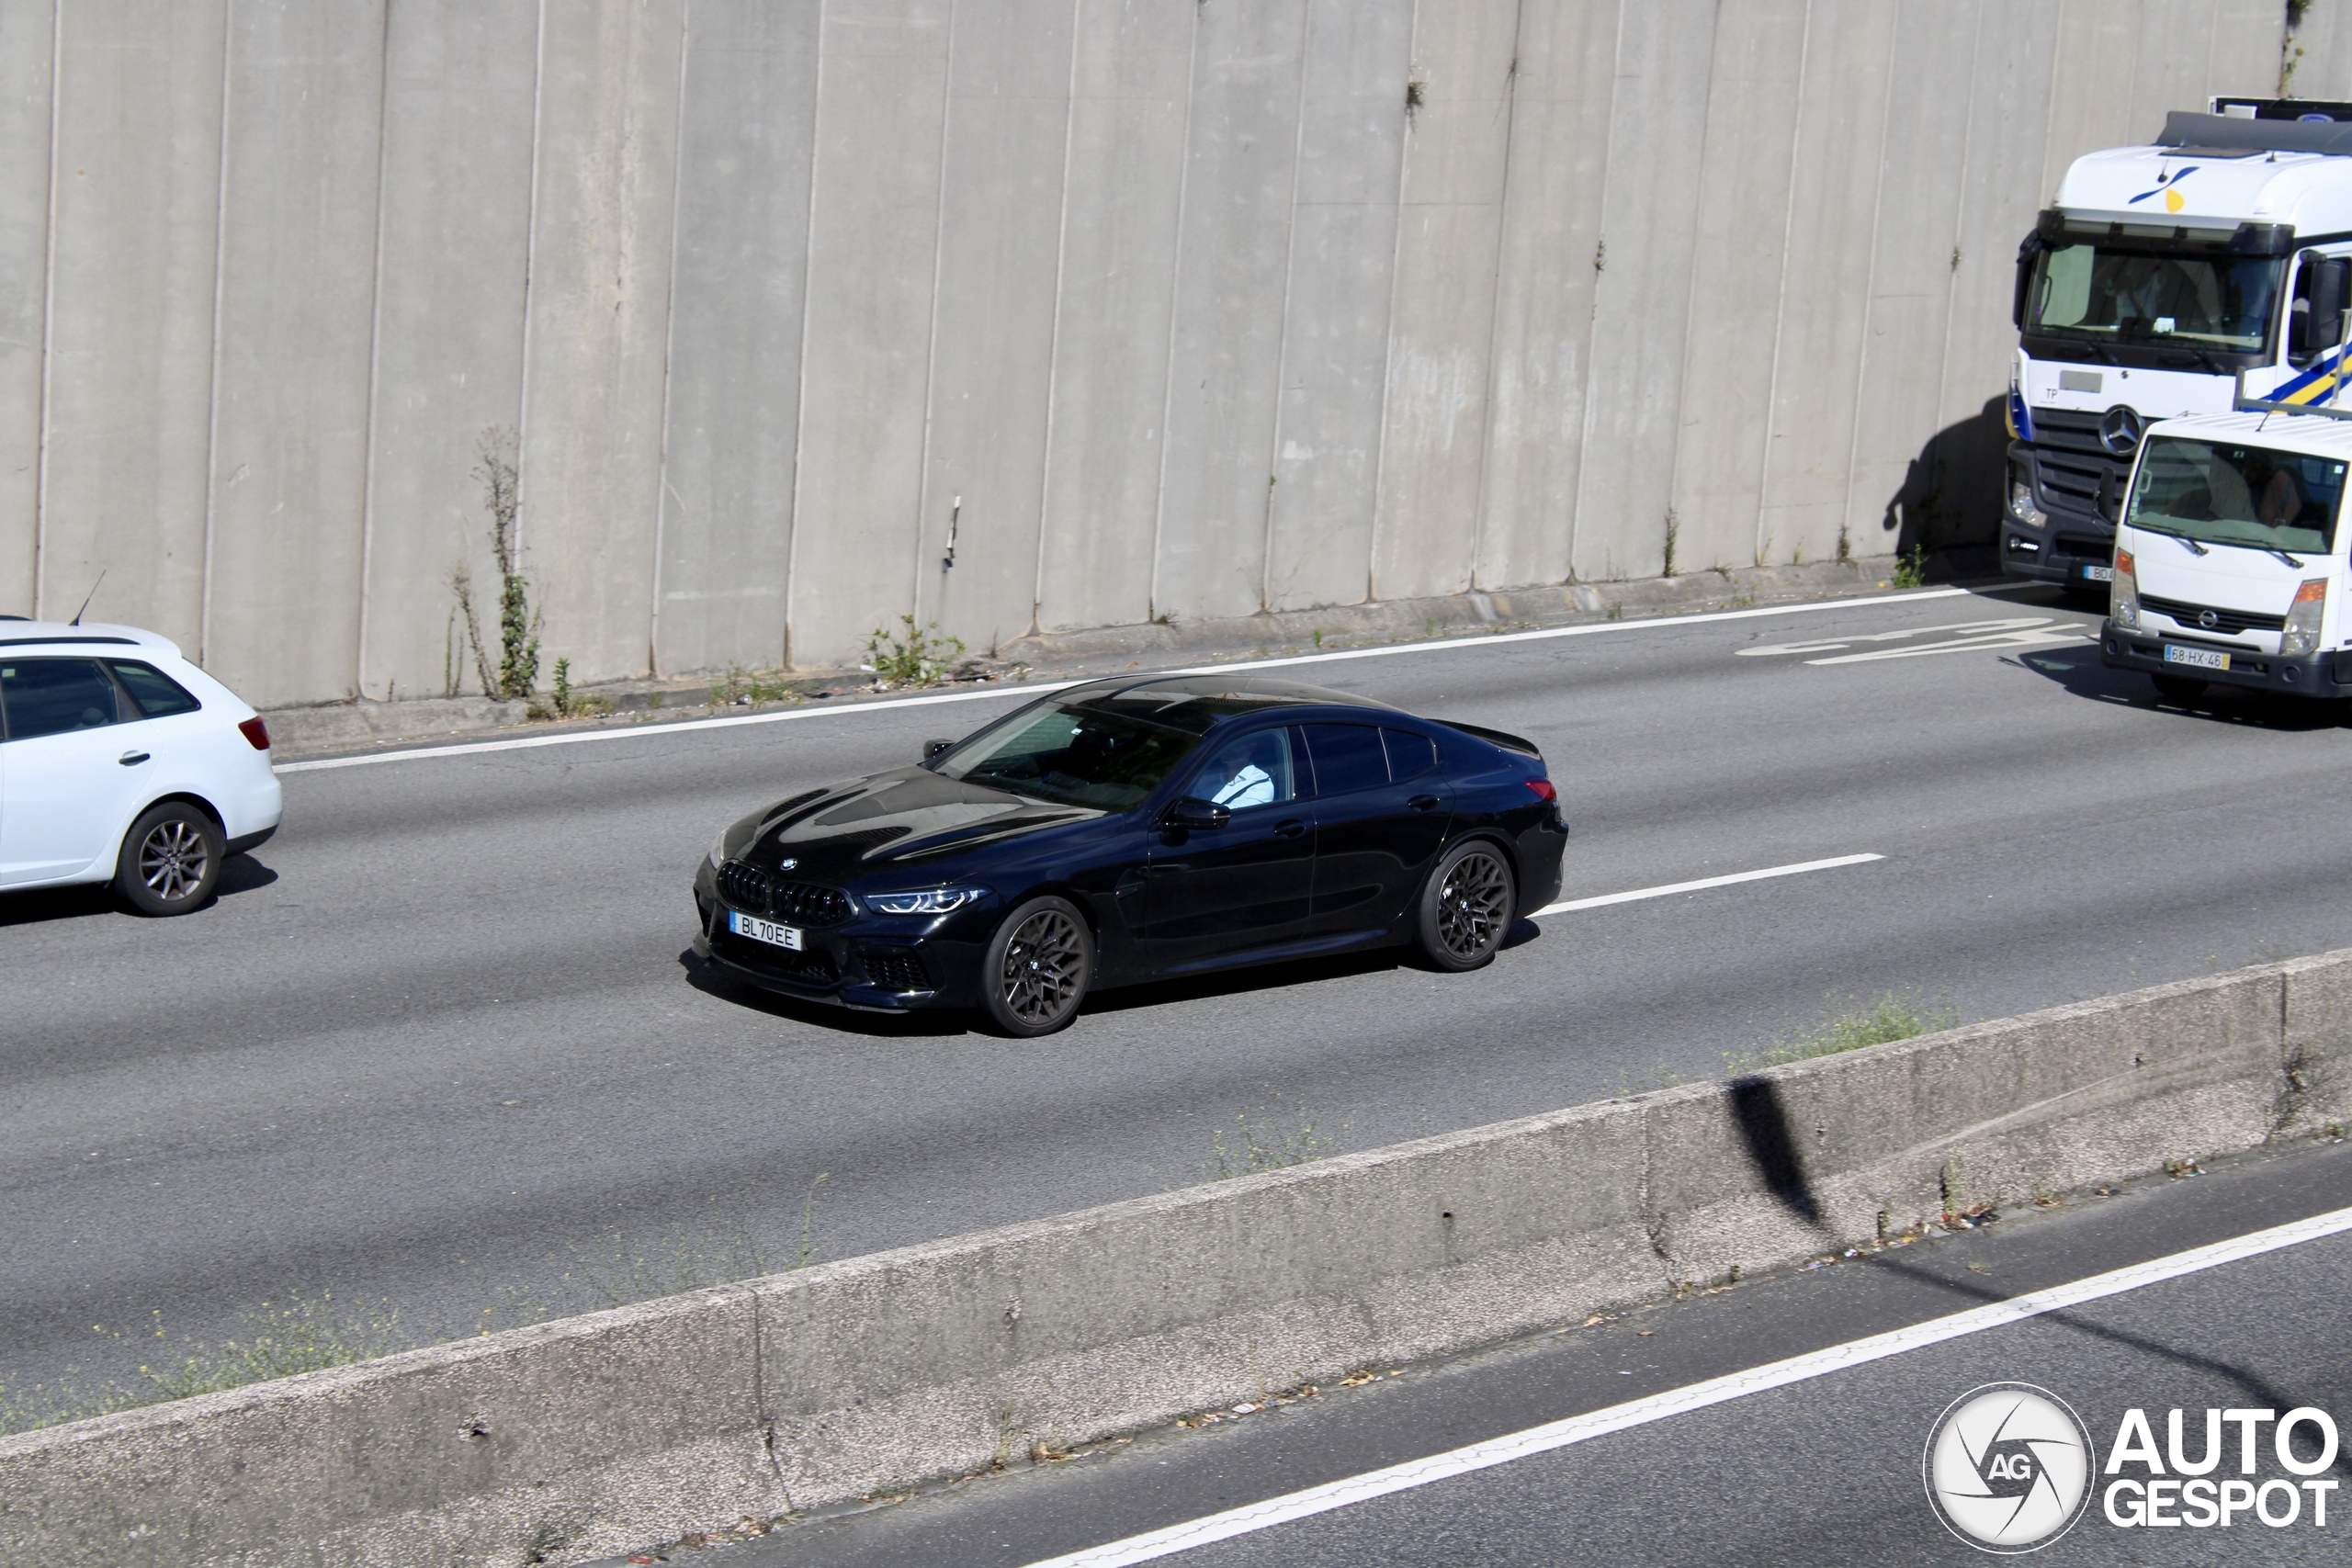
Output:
[[1673, 888]]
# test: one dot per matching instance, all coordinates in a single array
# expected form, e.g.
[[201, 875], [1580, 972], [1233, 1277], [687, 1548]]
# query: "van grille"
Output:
[[2226, 623]]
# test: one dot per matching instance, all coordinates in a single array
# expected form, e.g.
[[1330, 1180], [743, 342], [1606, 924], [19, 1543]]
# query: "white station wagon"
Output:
[[120, 762]]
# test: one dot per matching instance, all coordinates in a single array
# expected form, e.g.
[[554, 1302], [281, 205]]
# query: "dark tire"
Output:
[[170, 861], [1467, 907], [1037, 968], [2177, 688]]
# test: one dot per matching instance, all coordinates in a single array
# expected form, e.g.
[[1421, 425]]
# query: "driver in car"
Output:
[[1243, 774]]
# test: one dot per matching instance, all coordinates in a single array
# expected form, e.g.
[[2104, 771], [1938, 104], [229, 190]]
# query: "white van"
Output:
[[2230, 559]]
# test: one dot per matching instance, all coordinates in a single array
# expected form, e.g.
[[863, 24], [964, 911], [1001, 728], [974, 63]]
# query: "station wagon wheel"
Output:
[[1037, 968], [170, 861], [1466, 907]]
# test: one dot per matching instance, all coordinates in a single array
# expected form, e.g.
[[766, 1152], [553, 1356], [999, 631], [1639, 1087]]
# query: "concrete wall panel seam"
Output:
[[930, 347], [374, 370], [530, 280], [1388, 363], [1870, 285], [1290, 282], [204, 644], [669, 338], [1494, 304], [48, 307], [1780, 300], [1054, 340], [1175, 302], [800, 402]]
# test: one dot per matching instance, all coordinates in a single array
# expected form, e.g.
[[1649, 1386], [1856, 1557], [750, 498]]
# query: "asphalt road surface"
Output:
[[1825, 1472], [441, 1046]]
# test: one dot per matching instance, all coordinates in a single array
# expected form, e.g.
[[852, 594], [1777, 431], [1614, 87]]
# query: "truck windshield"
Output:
[[2220, 494], [2103, 294]]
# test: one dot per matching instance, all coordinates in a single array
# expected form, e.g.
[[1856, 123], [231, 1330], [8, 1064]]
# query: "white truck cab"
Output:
[[2212, 266], [2230, 556]]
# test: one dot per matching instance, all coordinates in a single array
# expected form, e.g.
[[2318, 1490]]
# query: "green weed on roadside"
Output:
[[1850, 1026]]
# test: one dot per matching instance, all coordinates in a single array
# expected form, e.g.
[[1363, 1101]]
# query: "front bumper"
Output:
[[874, 964], [2325, 674], [2071, 534]]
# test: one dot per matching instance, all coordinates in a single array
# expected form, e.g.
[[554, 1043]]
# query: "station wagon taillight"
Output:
[[254, 730]]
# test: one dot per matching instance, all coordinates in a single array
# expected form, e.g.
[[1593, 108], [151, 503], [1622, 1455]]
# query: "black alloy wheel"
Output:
[[1466, 907], [1037, 968], [2177, 688], [170, 861]]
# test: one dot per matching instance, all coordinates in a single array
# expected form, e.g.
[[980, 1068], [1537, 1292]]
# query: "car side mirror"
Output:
[[1193, 813], [933, 748]]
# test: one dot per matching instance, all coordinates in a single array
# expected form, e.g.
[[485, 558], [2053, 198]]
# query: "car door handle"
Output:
[[132, 759], [1423, 803], [1290, 829]]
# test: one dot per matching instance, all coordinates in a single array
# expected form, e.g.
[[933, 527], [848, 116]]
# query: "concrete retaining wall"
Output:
[[1202, 311], [597, 1434]]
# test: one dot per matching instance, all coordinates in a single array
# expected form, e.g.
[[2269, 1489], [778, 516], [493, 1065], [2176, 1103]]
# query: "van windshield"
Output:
[[2223, 493], [2105, 295]]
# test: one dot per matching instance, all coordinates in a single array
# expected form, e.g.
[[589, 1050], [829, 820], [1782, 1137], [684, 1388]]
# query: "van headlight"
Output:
[[2123, 594], [2301, 632], [929, 901]]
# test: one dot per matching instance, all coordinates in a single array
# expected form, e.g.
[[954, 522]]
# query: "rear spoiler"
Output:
[[1497, 738]]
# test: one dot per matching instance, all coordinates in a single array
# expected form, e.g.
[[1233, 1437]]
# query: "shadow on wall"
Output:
[[1949, 508]]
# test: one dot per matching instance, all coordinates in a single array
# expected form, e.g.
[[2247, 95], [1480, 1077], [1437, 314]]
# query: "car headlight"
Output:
[[718, 849], [930, 901]]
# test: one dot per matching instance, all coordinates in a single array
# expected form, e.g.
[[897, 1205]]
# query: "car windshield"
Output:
[[2224, 493], [1075, 755], [2104, 294]]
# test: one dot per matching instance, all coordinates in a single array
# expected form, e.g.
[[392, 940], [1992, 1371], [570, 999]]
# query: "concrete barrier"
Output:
[[597, 1434]]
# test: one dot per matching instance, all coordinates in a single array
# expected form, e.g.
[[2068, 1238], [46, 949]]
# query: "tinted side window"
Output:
[[158, 694], [1254, 770], [1347, 756], [1409, 755], [45, 696]]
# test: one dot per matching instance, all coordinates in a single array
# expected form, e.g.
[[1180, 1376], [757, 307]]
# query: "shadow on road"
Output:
[[241, 873], [2080, 673]]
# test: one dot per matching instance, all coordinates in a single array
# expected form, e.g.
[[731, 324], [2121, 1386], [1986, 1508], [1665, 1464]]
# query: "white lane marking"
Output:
[[1674, 887], [1830, 644], [585, 737], [1555, 1435], [2023, 631]]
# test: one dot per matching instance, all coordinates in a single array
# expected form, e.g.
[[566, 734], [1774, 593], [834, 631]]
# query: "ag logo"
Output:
[[2009, 1467]]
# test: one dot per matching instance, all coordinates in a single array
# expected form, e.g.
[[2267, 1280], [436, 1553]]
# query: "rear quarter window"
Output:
[[158, 695]]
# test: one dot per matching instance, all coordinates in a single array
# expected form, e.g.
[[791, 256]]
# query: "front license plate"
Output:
[[2099, 573], [758, 930], [2196, 658]]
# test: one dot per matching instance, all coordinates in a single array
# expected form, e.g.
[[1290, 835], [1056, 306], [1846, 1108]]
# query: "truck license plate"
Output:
[[758, 930], [2099, 573], [2196, 658]]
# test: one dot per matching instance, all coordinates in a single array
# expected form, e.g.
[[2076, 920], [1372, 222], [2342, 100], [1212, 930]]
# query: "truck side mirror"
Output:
[[2329, 298], [2111, 504]]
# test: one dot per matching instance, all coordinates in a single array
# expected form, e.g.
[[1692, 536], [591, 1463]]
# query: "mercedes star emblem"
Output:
[[2120, 431]]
